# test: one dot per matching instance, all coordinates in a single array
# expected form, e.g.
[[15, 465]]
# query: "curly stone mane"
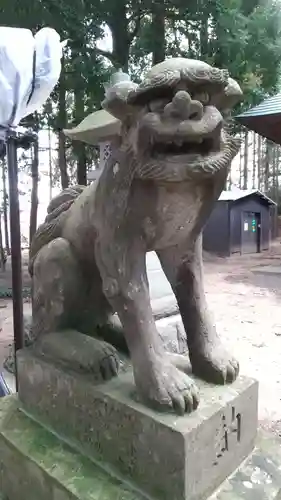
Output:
[[51, 227]]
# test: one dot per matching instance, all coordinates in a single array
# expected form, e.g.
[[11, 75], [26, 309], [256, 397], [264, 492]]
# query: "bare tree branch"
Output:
[[106, 53]]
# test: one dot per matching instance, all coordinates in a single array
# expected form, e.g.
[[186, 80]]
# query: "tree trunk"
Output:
[[277, 175], [2, 252], [124, 27], [273, 185], [62, 161], [80, 153], [246, 155], [62, 122], [79, 147], [204, 31], [118, 23], [50, 163], [5, 209], [259, 160], [240, 163], [158, 29], [267, 165], [34, 191], [254, 162]]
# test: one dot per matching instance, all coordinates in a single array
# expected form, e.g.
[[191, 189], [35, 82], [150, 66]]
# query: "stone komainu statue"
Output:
[[156, 192]]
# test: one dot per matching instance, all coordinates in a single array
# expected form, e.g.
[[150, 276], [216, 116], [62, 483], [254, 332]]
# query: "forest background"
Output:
[[105, 35]]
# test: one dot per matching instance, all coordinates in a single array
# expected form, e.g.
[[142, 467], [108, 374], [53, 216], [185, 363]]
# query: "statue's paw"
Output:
[[99, 359], [81, 353], [108, 361], [169, 389], [215, 365]]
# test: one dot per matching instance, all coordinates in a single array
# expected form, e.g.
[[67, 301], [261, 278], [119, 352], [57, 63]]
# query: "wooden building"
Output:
[[243, 221]]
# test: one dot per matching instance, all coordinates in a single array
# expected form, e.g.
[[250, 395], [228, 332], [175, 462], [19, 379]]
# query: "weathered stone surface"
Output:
[[35, 462], [168, 457], [165, 172], [36, 465], [169, 326]]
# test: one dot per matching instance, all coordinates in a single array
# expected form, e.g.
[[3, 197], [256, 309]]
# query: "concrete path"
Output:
[[268, 270]]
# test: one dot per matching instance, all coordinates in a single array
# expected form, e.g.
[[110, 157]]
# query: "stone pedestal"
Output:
[[37, 464], [163, 457]]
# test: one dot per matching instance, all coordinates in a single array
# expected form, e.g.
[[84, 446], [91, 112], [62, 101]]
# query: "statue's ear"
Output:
[[230, 96], [115, 101]]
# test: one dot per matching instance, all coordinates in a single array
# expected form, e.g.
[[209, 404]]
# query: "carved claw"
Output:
[[215, 365], [168, 389], [109, 365]]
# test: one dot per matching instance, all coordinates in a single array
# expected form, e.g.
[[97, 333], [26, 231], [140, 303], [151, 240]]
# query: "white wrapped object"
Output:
[[16, 61], [48, 67], [25, 86]]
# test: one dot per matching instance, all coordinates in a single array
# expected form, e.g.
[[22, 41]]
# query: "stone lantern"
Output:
[[99, 128]]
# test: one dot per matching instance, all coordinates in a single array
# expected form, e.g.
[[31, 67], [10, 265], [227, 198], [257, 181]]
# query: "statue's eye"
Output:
[[202, 97], [158, 105]]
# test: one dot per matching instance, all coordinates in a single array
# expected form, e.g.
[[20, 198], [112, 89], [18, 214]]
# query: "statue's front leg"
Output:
[[158, 382], [184, 269]]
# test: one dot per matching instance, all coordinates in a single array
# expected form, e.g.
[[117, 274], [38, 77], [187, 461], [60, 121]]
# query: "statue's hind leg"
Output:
[[58, 296]]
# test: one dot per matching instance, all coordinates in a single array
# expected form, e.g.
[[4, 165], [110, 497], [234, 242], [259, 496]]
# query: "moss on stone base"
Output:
[[35, 464]]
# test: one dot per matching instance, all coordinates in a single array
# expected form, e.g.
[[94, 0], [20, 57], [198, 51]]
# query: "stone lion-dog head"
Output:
[[174, 119]]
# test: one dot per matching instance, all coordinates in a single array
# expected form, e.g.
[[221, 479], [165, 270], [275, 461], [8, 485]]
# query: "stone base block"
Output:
[[36, 465], [165, 456]]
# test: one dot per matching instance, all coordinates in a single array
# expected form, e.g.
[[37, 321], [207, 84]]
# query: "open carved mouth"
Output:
[[178, 147]]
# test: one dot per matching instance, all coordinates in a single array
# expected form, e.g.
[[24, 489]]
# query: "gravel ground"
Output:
[[246, 308]]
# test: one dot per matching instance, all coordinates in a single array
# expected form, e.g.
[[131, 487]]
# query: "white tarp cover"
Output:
[[30, 67]]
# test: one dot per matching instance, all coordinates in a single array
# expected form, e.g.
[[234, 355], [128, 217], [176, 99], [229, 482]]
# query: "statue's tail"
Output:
[[52, 226]]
